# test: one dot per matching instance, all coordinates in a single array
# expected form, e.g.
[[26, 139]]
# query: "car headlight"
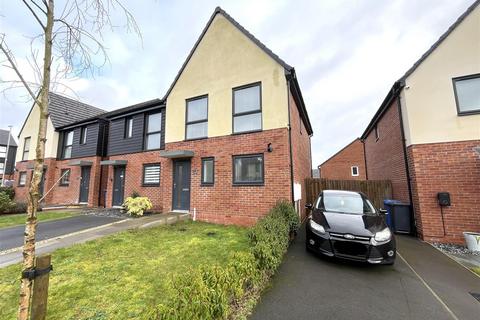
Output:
[[318, 228], [383, 236]]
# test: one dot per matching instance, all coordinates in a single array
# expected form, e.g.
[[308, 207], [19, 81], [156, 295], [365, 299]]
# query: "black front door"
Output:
[[181, 185], [84, 184], [118, 185]]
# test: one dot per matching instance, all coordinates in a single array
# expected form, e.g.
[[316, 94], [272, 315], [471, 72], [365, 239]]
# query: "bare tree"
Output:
[[71, 41]]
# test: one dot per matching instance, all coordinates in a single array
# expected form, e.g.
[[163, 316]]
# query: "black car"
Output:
[[346, 225]]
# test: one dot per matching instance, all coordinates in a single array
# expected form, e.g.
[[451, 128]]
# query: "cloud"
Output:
[[347, 53]]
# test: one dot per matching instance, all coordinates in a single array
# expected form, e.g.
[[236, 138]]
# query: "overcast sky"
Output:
[[347, 53]]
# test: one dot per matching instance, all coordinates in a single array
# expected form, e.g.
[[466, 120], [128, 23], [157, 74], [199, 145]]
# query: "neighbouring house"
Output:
[[73, 181], [425, 137], [7, 167], [228, 140], [346, 164]]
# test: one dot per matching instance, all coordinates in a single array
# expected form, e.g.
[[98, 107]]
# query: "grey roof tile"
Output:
[[64, 111]]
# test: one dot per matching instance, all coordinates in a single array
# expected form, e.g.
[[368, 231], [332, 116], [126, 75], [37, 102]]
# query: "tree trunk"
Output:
[[33, 193]]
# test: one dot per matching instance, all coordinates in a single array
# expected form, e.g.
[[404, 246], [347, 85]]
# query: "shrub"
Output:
[[6, 203], [9, 191], [212, 292], [135, 194], [209, 292], [137, 206]]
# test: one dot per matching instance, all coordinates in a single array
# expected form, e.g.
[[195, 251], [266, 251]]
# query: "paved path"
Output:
[[82, 236], [310, 287], [12, 237]]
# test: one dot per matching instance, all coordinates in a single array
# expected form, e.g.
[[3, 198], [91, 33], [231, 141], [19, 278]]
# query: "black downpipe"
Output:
[[365, 158], [404, 145], [290, 141]]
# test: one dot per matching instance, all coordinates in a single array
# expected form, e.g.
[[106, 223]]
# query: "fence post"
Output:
[[40, 288]]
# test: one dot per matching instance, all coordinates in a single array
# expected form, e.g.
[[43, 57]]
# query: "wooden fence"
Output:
[[375, 190]]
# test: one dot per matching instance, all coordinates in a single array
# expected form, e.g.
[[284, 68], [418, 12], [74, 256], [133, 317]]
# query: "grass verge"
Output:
[[124, 275], [477, 271], [10, 220]]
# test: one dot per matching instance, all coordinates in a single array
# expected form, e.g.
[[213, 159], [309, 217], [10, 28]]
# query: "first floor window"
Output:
[[22, 179], [467, 94], [128, 128], [248, 169], [354, 171], [3, 152], [83, 135], [151, 174], [65, 174], [208, 171], [26, 148], [154, 131], [67, 144], [247, 108], [196, 125], [2, 167]]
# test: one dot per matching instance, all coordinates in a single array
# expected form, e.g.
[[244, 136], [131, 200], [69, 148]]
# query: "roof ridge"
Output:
[[339, 151], [76, 100], [219, 10]]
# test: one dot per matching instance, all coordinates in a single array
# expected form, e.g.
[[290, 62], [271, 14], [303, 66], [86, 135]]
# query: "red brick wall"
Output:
[[339, 167], [134, 176], [61, 195], [302, 159], [452, 167], [222, 202], [385, 157]]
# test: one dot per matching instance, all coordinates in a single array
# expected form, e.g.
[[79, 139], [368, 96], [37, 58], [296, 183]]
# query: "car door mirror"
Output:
[[309, 206], [383, 211]]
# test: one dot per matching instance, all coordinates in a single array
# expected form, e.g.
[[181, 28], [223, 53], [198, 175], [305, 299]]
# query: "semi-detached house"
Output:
[[230, 138]]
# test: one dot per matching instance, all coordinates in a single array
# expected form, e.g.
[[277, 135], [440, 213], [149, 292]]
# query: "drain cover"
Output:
[[476, 295]]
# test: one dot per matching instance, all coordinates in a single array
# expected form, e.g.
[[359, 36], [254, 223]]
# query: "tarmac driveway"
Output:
[[309, 287], [13, 237]]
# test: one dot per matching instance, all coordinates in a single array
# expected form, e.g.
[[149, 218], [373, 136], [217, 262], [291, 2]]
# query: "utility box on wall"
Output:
[[443, 199]]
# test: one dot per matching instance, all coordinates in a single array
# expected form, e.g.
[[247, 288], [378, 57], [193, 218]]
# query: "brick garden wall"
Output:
[[385, 158], [339, 167], [302, 160], [451, 167]]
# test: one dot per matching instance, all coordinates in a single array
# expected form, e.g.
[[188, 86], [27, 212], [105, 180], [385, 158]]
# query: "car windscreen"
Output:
[[346, 203]]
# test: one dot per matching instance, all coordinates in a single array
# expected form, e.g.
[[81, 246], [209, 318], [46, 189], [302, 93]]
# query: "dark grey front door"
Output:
[[118, 185], [181, 185], [84, 184]]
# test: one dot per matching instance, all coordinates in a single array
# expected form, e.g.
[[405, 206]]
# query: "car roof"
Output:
[[344, 192]]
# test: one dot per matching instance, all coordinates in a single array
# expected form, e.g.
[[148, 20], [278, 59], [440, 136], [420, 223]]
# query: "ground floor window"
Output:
[[248, 169], [151, 174], [65, 177], [208, 171], [22, 179]]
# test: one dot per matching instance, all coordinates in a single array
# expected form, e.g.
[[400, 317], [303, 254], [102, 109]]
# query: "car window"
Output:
[[346, 203]]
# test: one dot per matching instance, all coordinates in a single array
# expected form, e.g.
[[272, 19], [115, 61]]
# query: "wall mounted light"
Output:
[[269, 147]]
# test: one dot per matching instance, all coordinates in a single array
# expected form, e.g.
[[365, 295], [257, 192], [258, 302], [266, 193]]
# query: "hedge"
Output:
[[213, 292]]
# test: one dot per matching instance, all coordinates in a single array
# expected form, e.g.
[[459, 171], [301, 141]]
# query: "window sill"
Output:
[[193, 139], [468, 113], [251, 184], [246, 132], [150, 185], [207, 184]]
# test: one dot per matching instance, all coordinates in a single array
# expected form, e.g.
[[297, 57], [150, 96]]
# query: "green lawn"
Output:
[[476, 270], [9, 220], [120, 276]]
